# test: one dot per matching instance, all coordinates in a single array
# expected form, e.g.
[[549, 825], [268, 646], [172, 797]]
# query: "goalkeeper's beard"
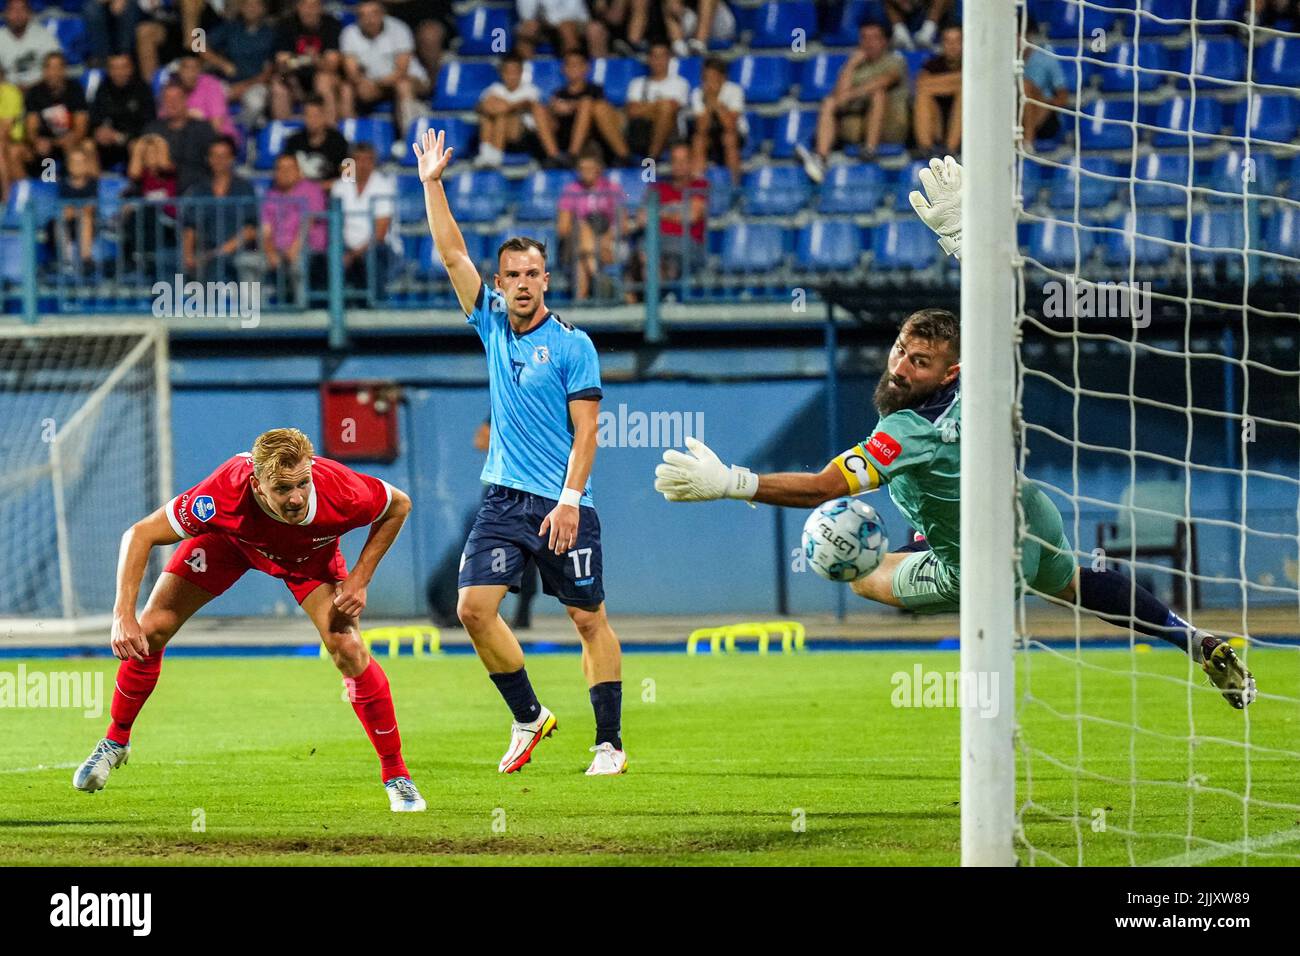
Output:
[[889, 400]]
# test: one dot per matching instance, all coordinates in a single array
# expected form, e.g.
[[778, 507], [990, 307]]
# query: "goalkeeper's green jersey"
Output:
[[916, 452]]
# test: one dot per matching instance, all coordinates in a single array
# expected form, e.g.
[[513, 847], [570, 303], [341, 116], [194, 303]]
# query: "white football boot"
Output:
[[103, 760], [402, 796], [608, 762], [524, 738]]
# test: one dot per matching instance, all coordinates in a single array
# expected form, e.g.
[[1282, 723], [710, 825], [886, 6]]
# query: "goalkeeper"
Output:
[[916, 451]]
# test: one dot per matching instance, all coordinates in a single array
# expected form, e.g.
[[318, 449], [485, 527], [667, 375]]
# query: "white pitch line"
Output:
[[39, 767], [1206, 854]]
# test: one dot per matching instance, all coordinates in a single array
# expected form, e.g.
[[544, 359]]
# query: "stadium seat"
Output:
[[1160, 18], [271, 139], [540, 194], [110, 195], [852, 189], [759, 132], [478, 195], [1092, 190], [1161, 179], [12, 257], [90, 81], [262, 185], [777, 22], [721, 191], [1277, 62], [1219, 16], [1132, 232], [628, 181], [1218, 234], [1273, 117], [1061, 20], [903, 244], [460, 84], [1118, 77], [795, 128], [775, 191], [457, 134], [1229, 174], [1281, 232], [546, 74], [851, 15], [689, 68], [1052, 243], [615, 74], [478, 31], [765, 79], [828, 244], [71, 34], [817, 76], [423, 253], [915, 59], [906, 180], [1211, 63], [374, 130], [410, 198], [40, 194], [1175, 119], [752, 247], [1033, 178], [1105, 124]]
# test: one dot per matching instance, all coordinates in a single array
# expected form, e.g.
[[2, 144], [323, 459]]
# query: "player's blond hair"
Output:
[[279, 450]]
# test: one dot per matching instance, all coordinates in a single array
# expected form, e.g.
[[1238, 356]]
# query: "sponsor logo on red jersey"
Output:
[[883, 448]]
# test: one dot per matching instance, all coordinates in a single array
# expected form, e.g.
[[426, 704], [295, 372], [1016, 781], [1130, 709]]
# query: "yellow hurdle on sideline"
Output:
[[723, 639], [421, 636]]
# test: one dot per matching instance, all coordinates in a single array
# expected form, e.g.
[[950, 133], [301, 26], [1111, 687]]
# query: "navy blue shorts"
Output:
[[505, 530]]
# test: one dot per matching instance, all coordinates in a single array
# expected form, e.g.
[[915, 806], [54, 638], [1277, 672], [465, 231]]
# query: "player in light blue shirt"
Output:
[[544, 379]]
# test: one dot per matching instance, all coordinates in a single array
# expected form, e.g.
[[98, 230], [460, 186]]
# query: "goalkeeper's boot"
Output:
[[1225, 669], [402, 796], [608, 762], [524, 738], [103, 760]]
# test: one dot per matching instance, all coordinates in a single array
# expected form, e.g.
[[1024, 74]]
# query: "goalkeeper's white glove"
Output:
[[701, 476], [941, 211]]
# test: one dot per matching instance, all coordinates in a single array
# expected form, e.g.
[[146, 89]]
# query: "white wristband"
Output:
[[743, 483], [570, 497]]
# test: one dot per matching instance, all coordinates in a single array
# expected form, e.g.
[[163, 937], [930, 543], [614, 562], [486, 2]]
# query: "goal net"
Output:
[[1157, 396], [85, 449]]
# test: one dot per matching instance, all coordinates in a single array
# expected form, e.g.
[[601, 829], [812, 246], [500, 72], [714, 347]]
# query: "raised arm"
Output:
[[701, 476], [433, 159], [132, 559]]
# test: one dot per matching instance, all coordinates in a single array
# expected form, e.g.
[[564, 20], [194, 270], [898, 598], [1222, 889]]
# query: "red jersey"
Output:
[[223, 503], [675, 209]]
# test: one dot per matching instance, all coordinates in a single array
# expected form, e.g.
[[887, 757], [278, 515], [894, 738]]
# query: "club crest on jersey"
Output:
[[203, 508], [883, 448], [541, 355]]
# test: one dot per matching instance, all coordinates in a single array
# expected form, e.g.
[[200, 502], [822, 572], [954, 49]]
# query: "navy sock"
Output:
[[1113, 595], [607, 702], [518, 694]]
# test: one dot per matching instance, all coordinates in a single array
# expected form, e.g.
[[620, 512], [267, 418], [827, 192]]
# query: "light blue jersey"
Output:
[[532, 378]]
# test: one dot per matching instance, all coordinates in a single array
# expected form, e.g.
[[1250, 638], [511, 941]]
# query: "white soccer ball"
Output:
[[844, 539]]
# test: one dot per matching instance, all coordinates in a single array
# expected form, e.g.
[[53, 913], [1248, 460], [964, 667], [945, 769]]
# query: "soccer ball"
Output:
[[844, 539]]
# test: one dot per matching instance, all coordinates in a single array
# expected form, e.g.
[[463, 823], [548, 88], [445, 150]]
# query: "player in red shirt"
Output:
[[282, 511]]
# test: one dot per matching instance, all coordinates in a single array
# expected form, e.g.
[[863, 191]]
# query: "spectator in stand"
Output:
[[166, 30], [514, 120], [216, 232], [867, 106], [11, 128], [369, 204], [692, 23], [654, 103], [915, 22], [187, 138], [150, 226], [432, 23], [205, 95], [380, 65], [241, 51], [1044, 81], [683, 213], [24, 45], [79, 194], [587, 223], [563, 20], [122, 106], [718, 120], [579, 108], [307, 61], [936, 111], [110, 28], [293, 226], [608, 25], [56, 121], [318, 148]]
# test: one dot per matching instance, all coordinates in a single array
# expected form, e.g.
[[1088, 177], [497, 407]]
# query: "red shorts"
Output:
[[214, 562]]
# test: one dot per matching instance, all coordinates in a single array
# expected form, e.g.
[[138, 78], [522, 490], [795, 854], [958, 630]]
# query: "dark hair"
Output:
[[512, 57], [716, 63], [227, 141], [576, 51], [55, 54], [362, 147], [314, 100], [876, 24], [521, 244], [934, 325]]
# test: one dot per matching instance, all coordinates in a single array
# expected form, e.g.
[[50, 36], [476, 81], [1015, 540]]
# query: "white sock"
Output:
[[902, 39], [925, 35]]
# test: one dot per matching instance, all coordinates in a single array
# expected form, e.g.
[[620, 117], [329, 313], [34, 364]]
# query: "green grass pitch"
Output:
[[738, 759]]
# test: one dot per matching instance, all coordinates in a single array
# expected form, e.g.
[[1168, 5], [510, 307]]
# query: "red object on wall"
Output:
[[359, 420]]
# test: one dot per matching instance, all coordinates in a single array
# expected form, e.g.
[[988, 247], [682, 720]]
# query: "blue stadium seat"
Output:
[[460, 84], [775, 191], [844, 26], [478, 195], [615, 74], [262, 185], [1033, 178], [828, 244], [410, 198], [906, 180], [689, 68], [852, 189], [1281, 232], [546, 74], [12, 256], [1273, 117], [1053, 243], [457, 134], [1104, 124], [1210, 63], [423, 253], [777, 22], [1156, 16], [817, 76], [1092, 190], [376, 131], [1212, 14], [110, 195], [71, 34], [271, 139], [1119, 75], [1230, 174], [1061, 20], [915, 59], [1161, 180], [478, 31], [721, 191], [794, 128], [540, 194], [40, 194], [765, 79], [752, 247], [1278, 62], [1175, 118], [903, 244], [760, 127], [1133, 232], [1072, 61], [90, 81], [1218, 234], [628, 181]]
